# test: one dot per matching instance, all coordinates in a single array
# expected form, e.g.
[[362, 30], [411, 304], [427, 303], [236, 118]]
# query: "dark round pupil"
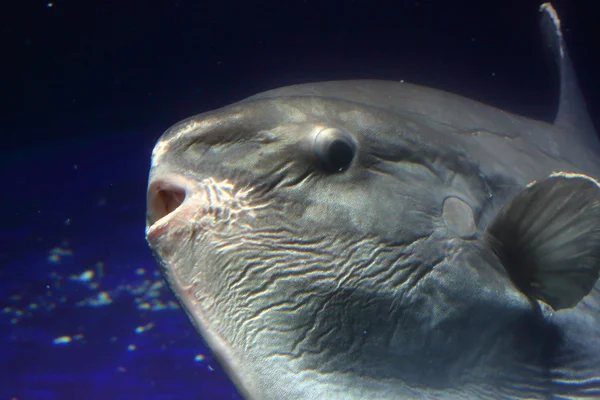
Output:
[[340, 154]]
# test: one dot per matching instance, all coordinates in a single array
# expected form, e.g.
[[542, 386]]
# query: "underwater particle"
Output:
[[66, 339], [144, 328], [49, 5], [85, 276], [101, 299], [144, 306], [33, 306], [140, 271], [137, 289], [131, 347], [122, 369], [199, 357], [61, 251], [100, 269], [210, 368], [62, 340], [57, 253], [67, 222], [158, 305], [104, 298]]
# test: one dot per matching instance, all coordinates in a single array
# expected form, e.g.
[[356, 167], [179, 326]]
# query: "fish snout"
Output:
[[180, 206], [165, 196]]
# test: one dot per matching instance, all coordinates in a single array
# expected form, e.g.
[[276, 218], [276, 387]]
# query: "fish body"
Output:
[[383, 240]]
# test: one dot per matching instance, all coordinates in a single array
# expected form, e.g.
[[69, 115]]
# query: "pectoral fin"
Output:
[[548, 238]]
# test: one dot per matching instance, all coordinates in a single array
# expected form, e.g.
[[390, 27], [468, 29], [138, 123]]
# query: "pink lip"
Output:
[[154, 231], [165, 196]]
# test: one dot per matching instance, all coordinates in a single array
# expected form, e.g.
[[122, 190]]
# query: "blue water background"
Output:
[[85, 313]]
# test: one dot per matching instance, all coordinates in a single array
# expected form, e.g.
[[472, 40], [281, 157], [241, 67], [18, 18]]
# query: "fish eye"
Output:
[[335, 150]]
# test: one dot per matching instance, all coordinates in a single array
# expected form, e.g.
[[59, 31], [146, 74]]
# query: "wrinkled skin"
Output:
[[312, 283]]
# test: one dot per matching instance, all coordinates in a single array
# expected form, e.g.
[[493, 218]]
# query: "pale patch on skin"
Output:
[[458, 216], [315, 132], [163, 146]]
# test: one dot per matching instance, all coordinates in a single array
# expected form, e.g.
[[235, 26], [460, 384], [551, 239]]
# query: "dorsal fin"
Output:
[[572, 112]]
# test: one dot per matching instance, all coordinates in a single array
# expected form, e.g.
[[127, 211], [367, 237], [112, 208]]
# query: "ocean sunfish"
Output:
[[382, 240]]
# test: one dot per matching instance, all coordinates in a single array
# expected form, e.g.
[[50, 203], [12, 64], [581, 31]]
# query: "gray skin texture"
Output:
[[362, 284]]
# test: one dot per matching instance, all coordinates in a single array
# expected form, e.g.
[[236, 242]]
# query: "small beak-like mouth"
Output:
[[165, 195], [178, 205]]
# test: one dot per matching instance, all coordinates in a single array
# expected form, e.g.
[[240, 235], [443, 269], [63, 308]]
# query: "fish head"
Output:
[[370, 239], [327, 248]]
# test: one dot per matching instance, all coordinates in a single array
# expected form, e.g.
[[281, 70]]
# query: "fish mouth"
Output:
[[166, 196], [178, 204]]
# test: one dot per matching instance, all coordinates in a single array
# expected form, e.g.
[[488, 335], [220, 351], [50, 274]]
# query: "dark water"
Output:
[[89, 87]]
